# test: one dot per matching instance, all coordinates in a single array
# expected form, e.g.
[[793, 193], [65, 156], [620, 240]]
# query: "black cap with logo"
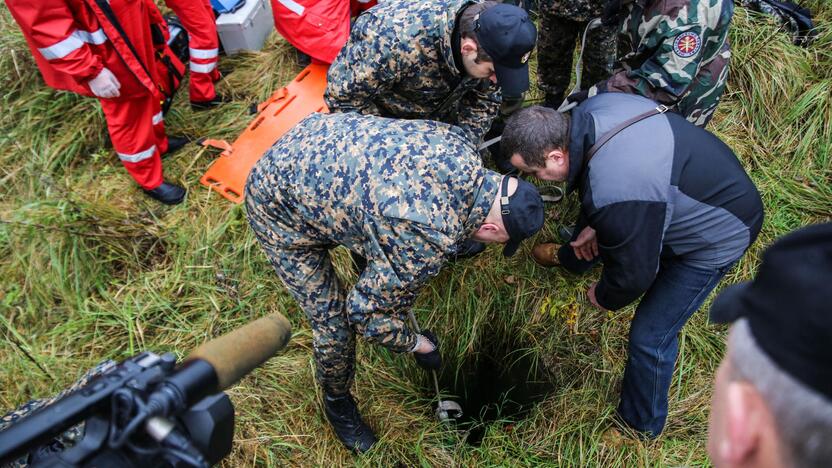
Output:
[[789, 306], [522, 213], [507, 34]]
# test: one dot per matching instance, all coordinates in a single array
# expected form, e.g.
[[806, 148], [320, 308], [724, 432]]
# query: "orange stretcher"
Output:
[[285, 108]]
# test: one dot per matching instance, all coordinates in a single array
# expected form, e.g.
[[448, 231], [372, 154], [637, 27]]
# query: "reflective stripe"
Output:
[[158, 118], [203, 67], [203, 53], [137, 157], [296, 7], [75, 41], [95, 37]]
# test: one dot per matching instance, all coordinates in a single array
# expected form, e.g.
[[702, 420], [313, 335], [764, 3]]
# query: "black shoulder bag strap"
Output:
[[660, 109]]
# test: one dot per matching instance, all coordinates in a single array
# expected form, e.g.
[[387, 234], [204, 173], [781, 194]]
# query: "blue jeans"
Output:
[[676, 293]]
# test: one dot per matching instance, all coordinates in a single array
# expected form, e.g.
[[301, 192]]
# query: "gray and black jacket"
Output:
[[660, 188]]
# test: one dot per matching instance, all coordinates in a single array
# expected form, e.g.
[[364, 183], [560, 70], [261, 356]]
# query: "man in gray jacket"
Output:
[[665, 206]]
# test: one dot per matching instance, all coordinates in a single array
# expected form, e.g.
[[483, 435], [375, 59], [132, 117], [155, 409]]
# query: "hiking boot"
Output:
[[546, 254], [175, 143], [352, 431], [167, 193], [205, 105]]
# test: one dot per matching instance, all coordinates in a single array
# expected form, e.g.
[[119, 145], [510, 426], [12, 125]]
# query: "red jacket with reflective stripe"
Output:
[[72, 40], [318, 28]]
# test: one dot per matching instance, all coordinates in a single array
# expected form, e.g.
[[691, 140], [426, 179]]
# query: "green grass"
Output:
[[92, 269]]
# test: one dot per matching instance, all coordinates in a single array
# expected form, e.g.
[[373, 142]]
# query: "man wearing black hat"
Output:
[[665, 205], [404, 194], [772, 401], [445, 60]]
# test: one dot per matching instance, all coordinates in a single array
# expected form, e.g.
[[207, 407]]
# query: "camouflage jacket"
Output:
[[399, 63], [666, 43], [401, 193], [575, 10]]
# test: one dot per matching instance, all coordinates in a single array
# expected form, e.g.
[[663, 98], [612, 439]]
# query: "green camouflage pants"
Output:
[[556, 46]]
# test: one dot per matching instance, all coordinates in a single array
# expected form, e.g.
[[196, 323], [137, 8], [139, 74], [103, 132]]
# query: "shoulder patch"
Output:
[[687, 44]]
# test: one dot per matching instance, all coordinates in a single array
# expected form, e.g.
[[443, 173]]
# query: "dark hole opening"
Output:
[[498, 385]]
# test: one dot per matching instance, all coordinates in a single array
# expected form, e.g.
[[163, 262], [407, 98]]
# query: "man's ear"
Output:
[[468, 46], [489, 228], [558, 156], [744, 421]]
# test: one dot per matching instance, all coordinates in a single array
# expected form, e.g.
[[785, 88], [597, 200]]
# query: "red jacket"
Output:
[[72, 40], [318, 28]]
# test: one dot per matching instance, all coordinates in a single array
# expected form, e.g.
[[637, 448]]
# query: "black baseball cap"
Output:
[[789, 306], [522, 213], [507, 34]]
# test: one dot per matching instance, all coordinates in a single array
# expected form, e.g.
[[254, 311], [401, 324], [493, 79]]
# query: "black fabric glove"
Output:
[[578, 97], [431, 360]]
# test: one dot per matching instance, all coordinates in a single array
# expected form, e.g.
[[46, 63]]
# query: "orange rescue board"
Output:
[[285, 108]]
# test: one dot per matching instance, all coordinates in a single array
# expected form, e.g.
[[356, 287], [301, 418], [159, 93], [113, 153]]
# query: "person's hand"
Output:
[[105, 85], [590, 293], [586, 245], [427, 351]]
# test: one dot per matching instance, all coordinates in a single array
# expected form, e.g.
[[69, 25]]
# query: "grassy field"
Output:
[[92, 269]]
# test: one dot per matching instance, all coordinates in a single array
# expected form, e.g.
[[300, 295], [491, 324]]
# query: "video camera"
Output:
[[147, 411]]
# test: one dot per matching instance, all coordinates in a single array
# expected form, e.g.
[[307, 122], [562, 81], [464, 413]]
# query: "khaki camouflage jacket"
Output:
[[399, 63], [666, 43], [401, 193]]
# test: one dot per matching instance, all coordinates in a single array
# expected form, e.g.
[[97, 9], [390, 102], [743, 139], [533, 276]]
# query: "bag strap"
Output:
[[660, 109], [104, 5]]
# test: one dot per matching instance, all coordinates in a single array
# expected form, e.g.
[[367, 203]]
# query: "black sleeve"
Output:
[[630, 242]]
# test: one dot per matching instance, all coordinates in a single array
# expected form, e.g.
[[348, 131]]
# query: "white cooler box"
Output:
[[246, 28]]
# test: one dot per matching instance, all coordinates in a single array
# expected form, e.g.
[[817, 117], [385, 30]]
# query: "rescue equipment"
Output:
[[285, 108], [446, 410]]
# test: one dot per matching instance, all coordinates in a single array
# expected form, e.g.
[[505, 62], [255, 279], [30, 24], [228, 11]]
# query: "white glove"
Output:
[[105, 85]]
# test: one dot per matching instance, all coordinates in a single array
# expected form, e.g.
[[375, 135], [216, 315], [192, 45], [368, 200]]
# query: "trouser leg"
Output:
[[556, 46], [677, 292], [130, 124], [203, 47], [304, 266], [599, 55]]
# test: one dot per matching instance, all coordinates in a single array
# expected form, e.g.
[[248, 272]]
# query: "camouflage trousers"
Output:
[[699, 104], [300, 256], [556, 49]]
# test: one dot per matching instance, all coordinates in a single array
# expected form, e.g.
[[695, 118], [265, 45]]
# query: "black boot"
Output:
[[167, 193], [205, 105], [351, 430], [175, 143]]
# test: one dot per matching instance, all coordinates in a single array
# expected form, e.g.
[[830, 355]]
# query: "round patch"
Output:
[[687, 44]]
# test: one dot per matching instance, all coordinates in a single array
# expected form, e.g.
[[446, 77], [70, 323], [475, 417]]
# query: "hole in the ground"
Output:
[[499, 384]]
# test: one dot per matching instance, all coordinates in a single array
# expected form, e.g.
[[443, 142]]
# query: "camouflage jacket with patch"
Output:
[[666, 43], [401, 193], [399, 63]]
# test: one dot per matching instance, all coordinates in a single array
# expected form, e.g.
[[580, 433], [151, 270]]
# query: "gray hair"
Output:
[[533, 132], [803, 416]]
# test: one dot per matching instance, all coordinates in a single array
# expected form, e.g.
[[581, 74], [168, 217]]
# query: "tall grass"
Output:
[[92, 269]]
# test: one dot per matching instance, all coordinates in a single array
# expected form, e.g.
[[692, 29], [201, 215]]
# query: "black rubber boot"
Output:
[[175, 143], [205, 105], [352, 431], [167, 193]]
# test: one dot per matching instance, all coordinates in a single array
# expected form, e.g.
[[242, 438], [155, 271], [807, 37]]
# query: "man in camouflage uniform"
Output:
[[677, 53], [562, 25], [401, 193], [437, 60]]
